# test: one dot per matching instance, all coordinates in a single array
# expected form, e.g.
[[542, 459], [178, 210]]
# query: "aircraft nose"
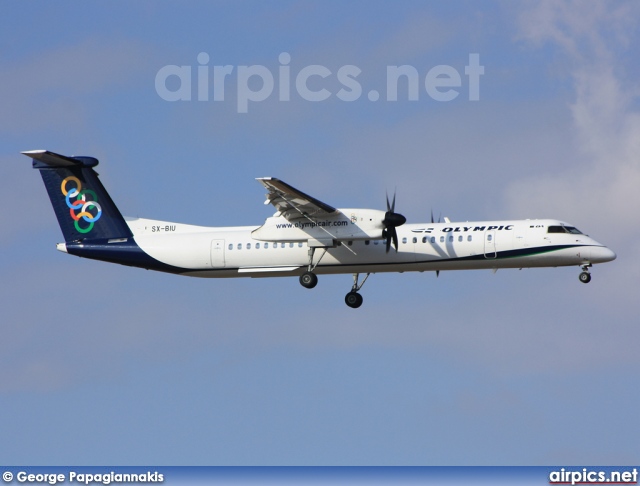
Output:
[[601, 254]]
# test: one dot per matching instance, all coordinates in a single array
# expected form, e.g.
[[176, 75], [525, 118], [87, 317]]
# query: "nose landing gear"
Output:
[[585, 276]]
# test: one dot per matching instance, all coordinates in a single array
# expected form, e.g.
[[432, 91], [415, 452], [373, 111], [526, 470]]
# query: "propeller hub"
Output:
[[393, 220]]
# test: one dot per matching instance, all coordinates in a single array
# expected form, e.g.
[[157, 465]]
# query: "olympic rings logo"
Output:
[[77, 200]]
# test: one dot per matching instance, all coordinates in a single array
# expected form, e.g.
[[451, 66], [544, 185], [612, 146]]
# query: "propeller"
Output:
[[432, 221], [391, 221], [439, 217]]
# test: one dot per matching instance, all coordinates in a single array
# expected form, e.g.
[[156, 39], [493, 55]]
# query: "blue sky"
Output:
[[107, 365]]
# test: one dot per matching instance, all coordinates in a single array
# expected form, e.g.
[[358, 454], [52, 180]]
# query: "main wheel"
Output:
[[353, 300], [585, 277], [308, 280]]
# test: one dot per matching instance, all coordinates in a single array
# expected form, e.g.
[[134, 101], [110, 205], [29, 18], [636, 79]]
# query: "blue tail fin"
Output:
[[84, 209]]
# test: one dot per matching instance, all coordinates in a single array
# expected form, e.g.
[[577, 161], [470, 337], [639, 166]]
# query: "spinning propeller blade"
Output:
[[391, 221]]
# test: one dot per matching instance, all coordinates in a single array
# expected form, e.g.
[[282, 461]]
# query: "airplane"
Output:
[[304, 238]]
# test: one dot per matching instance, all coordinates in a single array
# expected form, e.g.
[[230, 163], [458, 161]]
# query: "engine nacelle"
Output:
[[343, 225]]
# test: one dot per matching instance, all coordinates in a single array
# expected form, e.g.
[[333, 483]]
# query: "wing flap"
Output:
[[291, 202]]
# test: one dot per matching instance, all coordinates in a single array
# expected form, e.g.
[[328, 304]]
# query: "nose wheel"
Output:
[[585, 276]]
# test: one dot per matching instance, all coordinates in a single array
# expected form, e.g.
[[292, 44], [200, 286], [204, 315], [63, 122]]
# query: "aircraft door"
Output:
[[217, 253], [519, 237], [490, 244]]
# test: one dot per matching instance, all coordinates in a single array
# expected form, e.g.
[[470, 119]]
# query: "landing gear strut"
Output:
[[353, 299], [309, 279], [585, 276]]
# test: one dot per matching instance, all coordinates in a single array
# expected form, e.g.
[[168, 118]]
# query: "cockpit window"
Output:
[[564, 229]]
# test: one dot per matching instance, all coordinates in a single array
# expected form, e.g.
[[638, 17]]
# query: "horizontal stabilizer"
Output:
[[43, 159]]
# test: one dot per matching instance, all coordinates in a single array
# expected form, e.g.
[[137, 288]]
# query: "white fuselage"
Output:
[[279, 248]]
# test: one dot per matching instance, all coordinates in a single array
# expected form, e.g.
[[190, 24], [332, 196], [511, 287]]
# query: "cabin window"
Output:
[[239, 246], [404, 241], [281, 245], [489, 237], [450, 238], [248, 246], [291, 245], [349, 242], [366, 242], [300, 244], [230, 246], [469, 238], [375, 242], [266, 245], [257, 246], [442, 239], [460, 238], [433, 239], [415, 240], [424, 239]]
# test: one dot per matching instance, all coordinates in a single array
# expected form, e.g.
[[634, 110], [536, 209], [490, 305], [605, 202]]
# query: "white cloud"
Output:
[[602, 183]]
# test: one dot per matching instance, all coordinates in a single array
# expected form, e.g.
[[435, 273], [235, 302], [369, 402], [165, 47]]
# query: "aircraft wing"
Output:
[[291, 202]]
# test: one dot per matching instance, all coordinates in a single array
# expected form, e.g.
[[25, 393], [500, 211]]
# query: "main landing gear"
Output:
[[309, 280], [585, 276], [353, 299]]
